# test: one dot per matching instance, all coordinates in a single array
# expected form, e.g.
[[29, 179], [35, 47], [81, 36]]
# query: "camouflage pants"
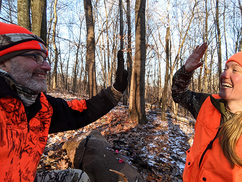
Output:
[[67, 175]]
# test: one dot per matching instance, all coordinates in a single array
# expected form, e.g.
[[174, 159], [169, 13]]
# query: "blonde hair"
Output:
[[229, 134]]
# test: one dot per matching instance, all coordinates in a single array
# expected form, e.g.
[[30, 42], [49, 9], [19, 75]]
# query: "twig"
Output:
[[119, 173]]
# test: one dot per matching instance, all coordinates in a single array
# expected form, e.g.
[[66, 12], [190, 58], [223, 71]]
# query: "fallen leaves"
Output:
[[156, 149]]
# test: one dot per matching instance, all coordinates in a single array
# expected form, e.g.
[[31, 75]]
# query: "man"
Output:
[[27, 115]]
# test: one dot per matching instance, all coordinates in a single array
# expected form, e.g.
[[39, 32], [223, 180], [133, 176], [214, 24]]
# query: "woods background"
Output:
[[156, 36]]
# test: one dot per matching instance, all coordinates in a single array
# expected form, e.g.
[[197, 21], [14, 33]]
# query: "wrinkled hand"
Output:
[[121, 81], [193, 62]]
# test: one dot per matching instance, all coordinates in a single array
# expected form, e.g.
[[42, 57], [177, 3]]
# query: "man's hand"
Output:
[[121, 81], [193, 62]]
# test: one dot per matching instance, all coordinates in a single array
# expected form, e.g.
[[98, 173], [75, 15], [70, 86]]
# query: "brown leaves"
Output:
[[158, 147], [62, 164]]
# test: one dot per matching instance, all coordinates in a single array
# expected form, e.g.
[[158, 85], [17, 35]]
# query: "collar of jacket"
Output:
[[219, 104], [6, 91]]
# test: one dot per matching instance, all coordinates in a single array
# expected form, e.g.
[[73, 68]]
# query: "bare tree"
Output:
[[54, 77], [225, 36], [37, 10], [129, 50], [240, 45], [205, 39], [43, 29], [24, 14], [90, 49], [218, 39], [75, 69], [121, 25], [164, 93], [122, 40], [38, 16], [108, 46], [137, 92]]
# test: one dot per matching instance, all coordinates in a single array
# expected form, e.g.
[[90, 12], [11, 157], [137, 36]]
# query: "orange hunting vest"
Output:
[[214, 166], [21, 142]]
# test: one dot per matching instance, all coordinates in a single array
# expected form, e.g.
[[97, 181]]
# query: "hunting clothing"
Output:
[[205, 159], [27, 116], [24, 130]]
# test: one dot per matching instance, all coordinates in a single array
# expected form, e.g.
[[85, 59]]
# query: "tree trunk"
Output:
[[43, 31], [37, 10], [103, 60], [90, 48], [80, 82], [205, 87], [121, 25], [225, 33], [200, 79], [75, 72], [76, 65], [24, 14], [137, 93], [164, 94], [108, 82], [240, 45], [122, 41], [129, 51], [219, 51], [54, 77]]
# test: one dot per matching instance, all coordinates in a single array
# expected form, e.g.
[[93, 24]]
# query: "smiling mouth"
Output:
[[226, 85], [40, 75]]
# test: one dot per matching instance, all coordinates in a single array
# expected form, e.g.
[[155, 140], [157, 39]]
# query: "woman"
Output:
[[217, 148]]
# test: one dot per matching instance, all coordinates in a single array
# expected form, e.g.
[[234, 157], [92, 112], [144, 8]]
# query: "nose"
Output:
[[46, 66], [225, 74]]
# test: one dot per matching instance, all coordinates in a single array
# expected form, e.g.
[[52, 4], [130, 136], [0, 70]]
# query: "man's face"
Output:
[[26, 71]]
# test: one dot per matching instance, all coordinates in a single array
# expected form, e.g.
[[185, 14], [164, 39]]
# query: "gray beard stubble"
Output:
[[25, 78]]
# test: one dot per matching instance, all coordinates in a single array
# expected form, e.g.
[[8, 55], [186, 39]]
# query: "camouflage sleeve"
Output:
[[188, 99], [73, 175]]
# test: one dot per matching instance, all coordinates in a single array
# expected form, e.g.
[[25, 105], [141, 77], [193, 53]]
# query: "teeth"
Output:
[[40, 75], [226, 85]]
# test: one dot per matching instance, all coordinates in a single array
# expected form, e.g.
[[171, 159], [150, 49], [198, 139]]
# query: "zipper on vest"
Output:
[[208, 147]]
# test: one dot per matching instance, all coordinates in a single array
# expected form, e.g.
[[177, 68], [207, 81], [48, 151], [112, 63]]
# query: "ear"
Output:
[[5, 65]]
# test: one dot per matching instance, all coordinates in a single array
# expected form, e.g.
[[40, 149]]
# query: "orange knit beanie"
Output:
[[237, 57], [15, 40]]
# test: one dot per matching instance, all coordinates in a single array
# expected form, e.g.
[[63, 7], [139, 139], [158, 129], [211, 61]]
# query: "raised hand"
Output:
[[121, 81], [193, 62]]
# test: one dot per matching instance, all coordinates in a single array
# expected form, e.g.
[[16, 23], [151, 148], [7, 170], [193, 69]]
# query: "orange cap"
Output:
[[237, 57], [15, 40]]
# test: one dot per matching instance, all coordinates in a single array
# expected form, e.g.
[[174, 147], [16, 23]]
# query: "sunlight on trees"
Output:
[[217, 22]]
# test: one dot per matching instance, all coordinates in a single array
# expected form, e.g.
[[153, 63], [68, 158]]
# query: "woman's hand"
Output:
[[193, 62]]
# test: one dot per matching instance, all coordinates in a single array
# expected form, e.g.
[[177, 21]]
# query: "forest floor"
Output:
[[158, 147]]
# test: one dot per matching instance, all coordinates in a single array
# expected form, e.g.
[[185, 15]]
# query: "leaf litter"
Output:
[[156, 149]]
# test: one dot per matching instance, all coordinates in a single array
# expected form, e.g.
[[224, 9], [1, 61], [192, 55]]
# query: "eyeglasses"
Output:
[[39, 59]]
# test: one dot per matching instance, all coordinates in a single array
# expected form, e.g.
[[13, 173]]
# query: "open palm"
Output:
[[193, 62]]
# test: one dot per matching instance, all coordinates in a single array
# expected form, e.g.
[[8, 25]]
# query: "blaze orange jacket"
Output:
[[205, 161], [24, 131]]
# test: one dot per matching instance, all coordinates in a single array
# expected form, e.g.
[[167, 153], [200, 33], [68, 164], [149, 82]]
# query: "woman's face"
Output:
[[231, 82]]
